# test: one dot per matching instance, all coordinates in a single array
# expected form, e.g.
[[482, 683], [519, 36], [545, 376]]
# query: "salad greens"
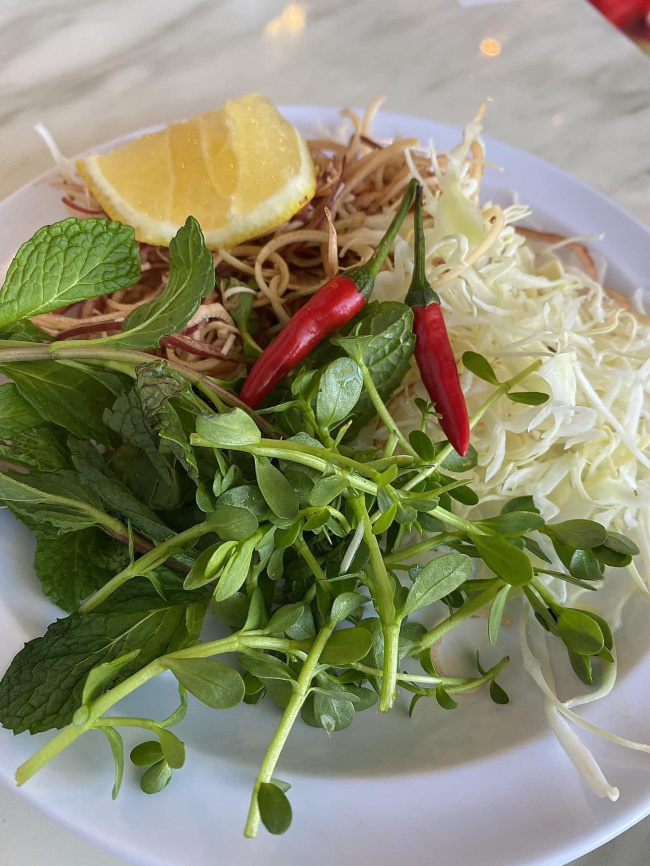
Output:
[[158, 500]]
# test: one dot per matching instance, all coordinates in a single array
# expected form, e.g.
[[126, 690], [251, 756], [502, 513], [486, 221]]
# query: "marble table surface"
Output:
[[558, 80]]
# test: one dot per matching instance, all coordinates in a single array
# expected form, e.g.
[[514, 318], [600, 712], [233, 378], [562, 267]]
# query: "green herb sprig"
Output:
[[159, 500]]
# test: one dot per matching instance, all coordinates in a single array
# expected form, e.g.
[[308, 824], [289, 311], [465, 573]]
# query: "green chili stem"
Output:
[[298, 698], [463, 613]]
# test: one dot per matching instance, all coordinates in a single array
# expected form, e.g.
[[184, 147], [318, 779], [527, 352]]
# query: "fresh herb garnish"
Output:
[[156, 504]]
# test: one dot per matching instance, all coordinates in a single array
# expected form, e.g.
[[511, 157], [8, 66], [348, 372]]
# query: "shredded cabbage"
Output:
[[584, 452]]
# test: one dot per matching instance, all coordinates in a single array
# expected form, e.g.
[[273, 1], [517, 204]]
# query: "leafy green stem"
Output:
[[503, 389], [146, 563], [463, 613], [546, 595], [277, 449], [473, 421], [75, 350], [467, 685], [303, 549], [411, 678], [383, 591], [393, 559], [233, 643], [383, 412], [451, 519], [298, 698]]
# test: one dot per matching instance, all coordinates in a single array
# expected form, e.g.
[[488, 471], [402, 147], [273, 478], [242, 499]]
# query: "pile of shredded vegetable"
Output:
[[508, 292]]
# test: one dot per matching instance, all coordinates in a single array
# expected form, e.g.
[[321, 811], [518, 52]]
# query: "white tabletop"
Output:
[[564, 85]]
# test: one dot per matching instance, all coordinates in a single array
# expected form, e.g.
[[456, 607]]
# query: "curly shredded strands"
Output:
[[360, 182], [494, 216]]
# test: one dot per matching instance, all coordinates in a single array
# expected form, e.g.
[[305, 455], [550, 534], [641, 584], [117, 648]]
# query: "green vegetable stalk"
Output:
[[159, 501]]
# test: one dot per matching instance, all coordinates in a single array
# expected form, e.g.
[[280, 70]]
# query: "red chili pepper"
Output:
[[332, 306], [433, 351]]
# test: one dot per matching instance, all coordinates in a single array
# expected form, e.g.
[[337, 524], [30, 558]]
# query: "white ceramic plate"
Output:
[[482, 785]]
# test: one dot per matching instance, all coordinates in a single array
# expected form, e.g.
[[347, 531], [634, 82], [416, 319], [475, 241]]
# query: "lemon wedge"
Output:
[[240, 171]]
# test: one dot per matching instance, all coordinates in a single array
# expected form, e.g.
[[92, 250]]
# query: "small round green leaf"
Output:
[[498, 695], [347, 645], [173, 749], [480, 366], [230, 430], [514, 522], [580, 534], [506, 561], [285, 617], [345, 604], [422, 445], [621, 543], [147, 754], [276, 490], [528, 398], [156, 778], [579, 632], [445, 699], [338, 392], [233, 523], [211, 681], [437, 579], [275, 809]]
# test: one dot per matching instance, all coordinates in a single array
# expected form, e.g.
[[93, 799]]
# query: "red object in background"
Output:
[[628, 15]]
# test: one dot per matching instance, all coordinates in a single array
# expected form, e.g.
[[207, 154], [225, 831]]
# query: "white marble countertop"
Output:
[[563, 85]]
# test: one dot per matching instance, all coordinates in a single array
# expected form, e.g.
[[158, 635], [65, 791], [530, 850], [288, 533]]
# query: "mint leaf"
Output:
[[57, 499], [156, 388], [72, 566], [16, 414], [115, 495], [191, 278], [43, 685], [43, 447], [67, 394], [68, 262]]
